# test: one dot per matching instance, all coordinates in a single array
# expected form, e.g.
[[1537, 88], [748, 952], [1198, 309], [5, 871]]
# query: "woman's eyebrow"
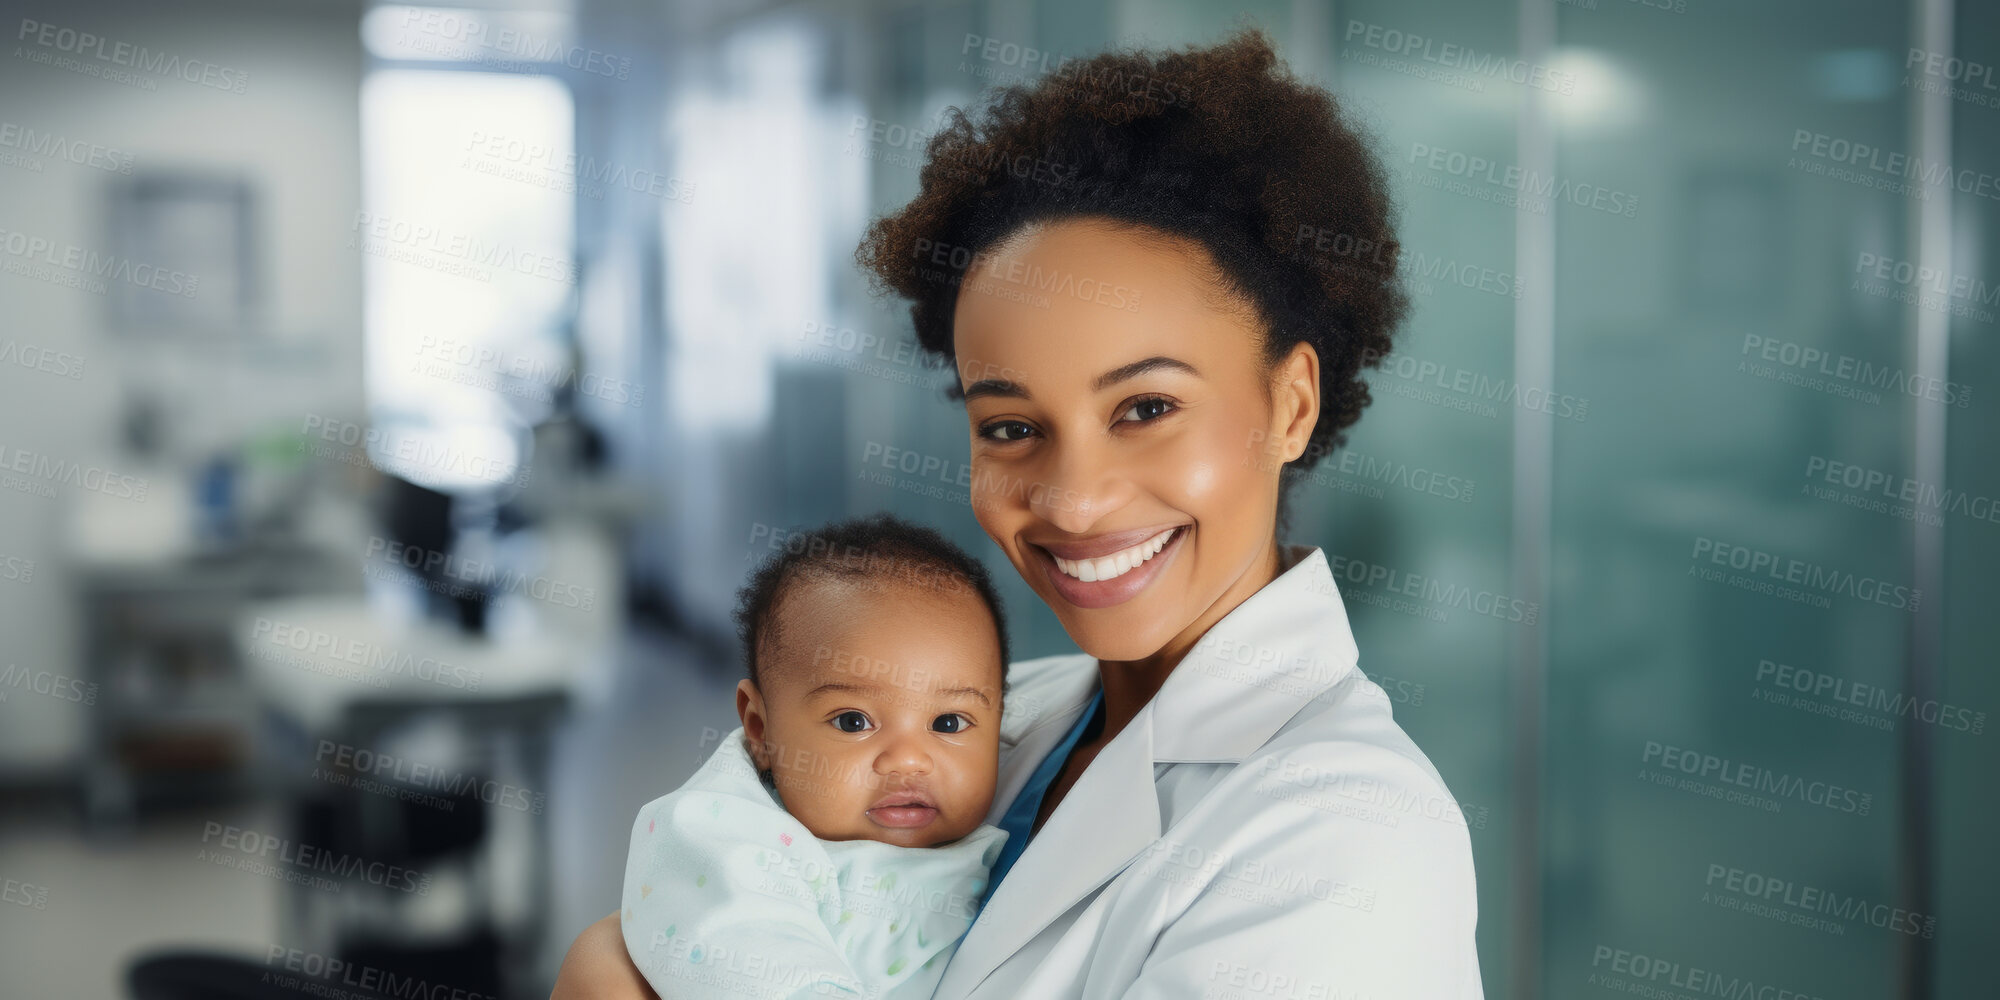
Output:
[[995, 387], [1015, 390], [1137, 368]]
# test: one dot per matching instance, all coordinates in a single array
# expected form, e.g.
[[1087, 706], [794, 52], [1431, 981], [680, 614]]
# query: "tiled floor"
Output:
[[659, 715]]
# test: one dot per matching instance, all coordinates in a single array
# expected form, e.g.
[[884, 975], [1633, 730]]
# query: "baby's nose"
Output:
[[904, 757]]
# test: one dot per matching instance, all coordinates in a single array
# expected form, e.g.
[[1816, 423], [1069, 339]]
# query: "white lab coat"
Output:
[[1262, 829]]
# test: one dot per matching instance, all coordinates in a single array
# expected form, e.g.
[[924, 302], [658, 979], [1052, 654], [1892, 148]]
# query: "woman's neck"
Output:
[[1130, 684]]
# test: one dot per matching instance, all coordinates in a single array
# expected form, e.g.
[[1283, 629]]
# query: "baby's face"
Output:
[[879, 713]]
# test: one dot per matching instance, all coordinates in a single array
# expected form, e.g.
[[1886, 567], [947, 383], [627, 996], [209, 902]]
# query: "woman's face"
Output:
[[1126, 436]]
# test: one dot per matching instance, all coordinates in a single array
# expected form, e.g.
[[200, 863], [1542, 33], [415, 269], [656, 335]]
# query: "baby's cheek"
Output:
[[972, 799], [814, 801]]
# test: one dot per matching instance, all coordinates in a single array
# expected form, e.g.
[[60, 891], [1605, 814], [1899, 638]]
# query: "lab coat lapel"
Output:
[[1077, 850], [1285, 646], [1264, 662]]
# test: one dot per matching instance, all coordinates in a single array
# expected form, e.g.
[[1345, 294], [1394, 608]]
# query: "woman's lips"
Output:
[[1118, 589]]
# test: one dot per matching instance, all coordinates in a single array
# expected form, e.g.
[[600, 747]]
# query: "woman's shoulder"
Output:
[[1345, 758], [1339, 807]]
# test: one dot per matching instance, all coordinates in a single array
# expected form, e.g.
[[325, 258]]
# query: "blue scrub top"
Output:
[[1019, 820]]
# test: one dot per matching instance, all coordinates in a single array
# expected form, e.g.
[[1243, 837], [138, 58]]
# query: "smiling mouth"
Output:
[[1116, 564], [1101, 581]]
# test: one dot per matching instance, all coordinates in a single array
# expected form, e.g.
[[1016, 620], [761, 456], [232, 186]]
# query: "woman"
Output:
[[1159, 278]]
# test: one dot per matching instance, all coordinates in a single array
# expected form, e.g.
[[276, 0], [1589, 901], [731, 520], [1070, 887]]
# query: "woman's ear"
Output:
[[1296, 387], [750, 709]]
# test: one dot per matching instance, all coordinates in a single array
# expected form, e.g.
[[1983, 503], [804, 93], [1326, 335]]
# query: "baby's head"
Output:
[[877, 654]]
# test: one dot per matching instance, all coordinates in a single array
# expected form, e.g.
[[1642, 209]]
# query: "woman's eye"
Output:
[[951, 722], [1005, 430], [1147, 409], [850, 722]]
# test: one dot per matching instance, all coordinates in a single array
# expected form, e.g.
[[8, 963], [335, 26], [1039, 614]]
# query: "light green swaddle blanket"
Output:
[[727, 896]]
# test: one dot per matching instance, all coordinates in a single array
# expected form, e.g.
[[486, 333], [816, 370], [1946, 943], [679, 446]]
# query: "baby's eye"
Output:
[[850, 722], [950, 722]]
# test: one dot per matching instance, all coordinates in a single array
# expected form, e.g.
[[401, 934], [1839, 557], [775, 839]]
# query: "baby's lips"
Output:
[[905, 797]]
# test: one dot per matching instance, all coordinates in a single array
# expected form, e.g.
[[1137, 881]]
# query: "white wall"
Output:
[[294, 133]]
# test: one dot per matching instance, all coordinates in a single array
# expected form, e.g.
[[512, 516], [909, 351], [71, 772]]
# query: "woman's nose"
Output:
[[1082, 485]]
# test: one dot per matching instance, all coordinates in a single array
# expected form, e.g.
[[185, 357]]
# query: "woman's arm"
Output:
[[597, 967]]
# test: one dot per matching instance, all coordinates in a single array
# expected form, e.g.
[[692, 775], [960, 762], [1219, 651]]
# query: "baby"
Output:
[[835, 844]]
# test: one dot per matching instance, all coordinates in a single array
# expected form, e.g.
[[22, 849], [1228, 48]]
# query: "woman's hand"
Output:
[[597, 967]]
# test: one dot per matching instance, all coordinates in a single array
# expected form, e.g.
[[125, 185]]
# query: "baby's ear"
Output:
[[750, 710]]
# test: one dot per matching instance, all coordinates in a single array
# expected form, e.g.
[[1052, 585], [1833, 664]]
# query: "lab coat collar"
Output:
[[1285, 646], [1253, 671]]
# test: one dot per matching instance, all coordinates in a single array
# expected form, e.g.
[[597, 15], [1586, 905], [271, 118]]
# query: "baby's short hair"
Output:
[[879, 548]]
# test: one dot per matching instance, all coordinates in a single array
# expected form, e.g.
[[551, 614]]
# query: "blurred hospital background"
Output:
[[392, 399]]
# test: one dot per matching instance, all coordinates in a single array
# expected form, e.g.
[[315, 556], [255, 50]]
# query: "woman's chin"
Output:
[[1105, 638]]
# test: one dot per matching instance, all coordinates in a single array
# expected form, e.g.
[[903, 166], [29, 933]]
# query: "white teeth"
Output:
[[1116, 564]]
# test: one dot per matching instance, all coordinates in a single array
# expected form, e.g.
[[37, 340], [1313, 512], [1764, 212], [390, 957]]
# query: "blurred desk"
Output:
[[312, 658], [157, 639]]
